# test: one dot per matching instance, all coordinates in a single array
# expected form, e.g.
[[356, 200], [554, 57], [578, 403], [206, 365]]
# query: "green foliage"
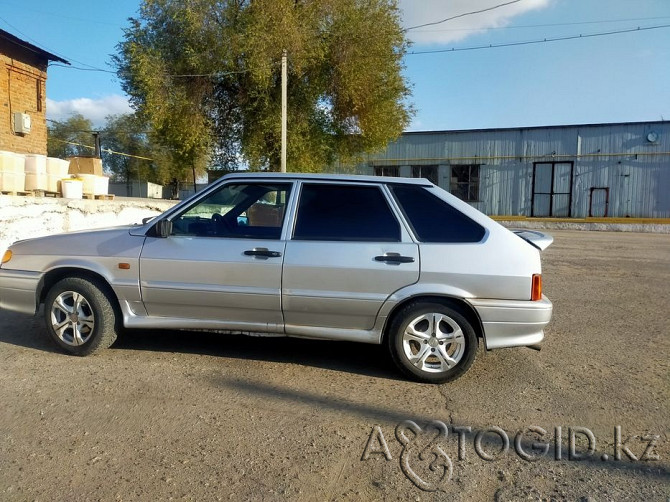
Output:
[[124, 134], [130, 153], [64, 139], [205, 74]]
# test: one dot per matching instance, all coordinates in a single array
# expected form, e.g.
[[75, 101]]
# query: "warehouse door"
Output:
[[598, 202], [552, 189]]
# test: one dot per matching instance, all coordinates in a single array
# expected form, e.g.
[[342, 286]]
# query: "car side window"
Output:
[[237, 210], [434, 220], [345, 213]]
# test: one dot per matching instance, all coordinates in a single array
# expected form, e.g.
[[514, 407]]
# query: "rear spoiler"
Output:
[[533, 237]]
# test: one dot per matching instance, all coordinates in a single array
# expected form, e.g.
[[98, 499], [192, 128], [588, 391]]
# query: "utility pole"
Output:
[[96, 139], [283, 111]]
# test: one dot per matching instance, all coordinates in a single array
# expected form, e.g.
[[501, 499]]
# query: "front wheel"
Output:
[[431, 342], [79, 316]]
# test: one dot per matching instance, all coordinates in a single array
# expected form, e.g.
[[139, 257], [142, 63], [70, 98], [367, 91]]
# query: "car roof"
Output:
[[353, 178]]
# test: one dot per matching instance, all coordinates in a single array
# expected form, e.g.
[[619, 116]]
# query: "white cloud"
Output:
[[417, 12], [93, 109]]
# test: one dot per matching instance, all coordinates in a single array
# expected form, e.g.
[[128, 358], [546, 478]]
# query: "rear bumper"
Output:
[[513, 323], [18, 290]]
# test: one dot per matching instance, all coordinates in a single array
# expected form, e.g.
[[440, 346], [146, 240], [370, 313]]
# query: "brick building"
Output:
[[23, 75]]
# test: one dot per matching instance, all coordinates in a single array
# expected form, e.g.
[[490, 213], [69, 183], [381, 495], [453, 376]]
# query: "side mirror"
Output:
[[147, 219], [163, 228]]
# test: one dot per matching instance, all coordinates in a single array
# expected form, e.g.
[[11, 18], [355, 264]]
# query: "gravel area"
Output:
[[166, 415]]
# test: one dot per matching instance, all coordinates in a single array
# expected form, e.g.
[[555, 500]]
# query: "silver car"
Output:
[[368, 259]]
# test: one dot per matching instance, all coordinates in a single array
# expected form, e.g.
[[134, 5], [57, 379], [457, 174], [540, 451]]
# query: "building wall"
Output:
[[27, 217], [614, 159], [144, 190], [22, 89]]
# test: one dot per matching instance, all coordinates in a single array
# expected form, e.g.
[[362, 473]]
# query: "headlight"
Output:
[[7, 256]]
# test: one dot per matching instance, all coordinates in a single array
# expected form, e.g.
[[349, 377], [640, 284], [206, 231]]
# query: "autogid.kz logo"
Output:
[[425, 462]]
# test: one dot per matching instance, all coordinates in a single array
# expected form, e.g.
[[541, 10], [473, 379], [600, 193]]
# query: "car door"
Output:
[[348, 253], [222, 261]]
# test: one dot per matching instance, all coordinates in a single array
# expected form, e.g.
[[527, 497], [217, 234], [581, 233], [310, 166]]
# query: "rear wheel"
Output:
[[431, 342], [79, 316]]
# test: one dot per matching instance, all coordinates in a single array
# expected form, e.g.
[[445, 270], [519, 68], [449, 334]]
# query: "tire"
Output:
[[80, 316], [431, 355]]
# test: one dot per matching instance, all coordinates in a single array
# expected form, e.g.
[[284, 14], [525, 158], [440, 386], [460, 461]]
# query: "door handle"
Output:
[[394, 258], [262, 252]]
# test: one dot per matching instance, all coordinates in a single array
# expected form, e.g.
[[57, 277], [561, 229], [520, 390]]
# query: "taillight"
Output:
[[536, 288]]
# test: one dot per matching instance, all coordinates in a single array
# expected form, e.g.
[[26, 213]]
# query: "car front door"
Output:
[[222, 261], [348, 253]]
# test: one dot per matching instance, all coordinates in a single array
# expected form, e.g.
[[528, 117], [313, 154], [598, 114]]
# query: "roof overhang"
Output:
[[30, 47]]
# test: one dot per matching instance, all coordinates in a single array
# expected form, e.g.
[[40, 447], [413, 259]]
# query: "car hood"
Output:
[[99, 242]]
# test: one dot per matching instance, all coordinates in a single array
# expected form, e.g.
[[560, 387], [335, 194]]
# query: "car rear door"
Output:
[[347, 254]]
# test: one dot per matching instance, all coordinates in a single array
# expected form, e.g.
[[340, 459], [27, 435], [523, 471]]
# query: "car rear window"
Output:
[[345, 213], [434, 220]]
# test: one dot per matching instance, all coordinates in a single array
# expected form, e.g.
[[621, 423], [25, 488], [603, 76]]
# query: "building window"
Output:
[[393, 171], [428, 172], [465, 182]]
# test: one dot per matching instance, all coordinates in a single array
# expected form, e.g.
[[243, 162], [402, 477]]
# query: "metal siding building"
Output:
[[614, 170]]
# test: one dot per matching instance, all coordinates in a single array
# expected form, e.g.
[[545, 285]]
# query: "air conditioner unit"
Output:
[[21, 123]]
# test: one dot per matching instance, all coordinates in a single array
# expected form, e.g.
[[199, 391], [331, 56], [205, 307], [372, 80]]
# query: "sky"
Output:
[[461, 77]]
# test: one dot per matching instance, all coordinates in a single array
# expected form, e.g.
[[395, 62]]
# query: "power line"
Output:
[[437, 51], [93, 68], [125, 154], [547, 25], [462, 15], [176, 75], [103, 130], [106, 150], [101, 70], [26, 45], [72, 143], [530, 42], [217, 74], [72, 130], [56, 14]]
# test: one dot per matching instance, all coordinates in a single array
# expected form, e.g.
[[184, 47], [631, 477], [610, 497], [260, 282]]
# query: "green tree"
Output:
[[123, 141], [70, 138], [130, 153], [206, 76]]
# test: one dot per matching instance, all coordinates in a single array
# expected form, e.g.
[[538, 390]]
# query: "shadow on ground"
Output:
[[357, 358], [25, 331], [426, 425], [349, 357]]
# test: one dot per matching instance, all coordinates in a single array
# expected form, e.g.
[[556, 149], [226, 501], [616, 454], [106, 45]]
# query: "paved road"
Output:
[[195, 416]]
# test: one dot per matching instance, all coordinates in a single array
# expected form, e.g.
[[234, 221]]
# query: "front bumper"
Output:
[[513, 323], [18, 290]]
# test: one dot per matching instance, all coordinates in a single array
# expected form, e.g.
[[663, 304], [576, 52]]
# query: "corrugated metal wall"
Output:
[[633, 166]]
